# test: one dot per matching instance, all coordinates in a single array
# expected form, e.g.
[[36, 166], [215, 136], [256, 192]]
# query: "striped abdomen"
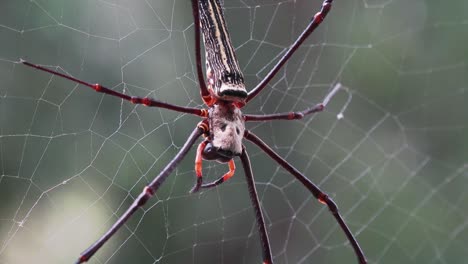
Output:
[[225, 80]]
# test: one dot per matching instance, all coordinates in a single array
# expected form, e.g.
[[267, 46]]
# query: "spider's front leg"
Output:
[[316, 21], [203, 152], [296, 115]]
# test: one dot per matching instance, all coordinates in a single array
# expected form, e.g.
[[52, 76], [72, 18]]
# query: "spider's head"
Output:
[[226, 132]]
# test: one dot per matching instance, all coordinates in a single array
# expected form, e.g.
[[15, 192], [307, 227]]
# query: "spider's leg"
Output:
[[135, 100], [198, 167], [316, 21], [205, 94], [316, 192], [198, 170], [266, 250], [147, 193], [285, 116], [225, 177], [295, 115]]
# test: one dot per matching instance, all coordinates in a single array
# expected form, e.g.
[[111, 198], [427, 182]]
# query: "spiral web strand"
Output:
[[390, 147]]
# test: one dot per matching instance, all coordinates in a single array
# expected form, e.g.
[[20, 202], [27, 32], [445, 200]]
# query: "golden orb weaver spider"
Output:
[[223, 123]]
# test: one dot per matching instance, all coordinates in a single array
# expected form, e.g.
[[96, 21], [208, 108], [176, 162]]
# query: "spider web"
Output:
[[390, 148]]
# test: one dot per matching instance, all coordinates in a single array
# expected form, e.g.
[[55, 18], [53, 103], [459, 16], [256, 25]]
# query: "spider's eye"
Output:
[[237, 130], [223, 127]]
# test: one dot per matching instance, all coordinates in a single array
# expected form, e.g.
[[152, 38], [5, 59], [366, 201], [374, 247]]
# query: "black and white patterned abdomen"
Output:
[[225, 79]]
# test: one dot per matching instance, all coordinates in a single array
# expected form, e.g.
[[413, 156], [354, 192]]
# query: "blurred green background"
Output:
[[71, 160]]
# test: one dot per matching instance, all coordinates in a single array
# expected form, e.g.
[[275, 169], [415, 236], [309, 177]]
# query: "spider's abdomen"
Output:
[[225, 79]]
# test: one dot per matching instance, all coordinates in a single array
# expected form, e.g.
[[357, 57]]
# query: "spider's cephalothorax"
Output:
[[226, 132]]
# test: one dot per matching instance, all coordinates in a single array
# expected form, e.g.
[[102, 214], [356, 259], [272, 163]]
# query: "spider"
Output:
[[223, 124]]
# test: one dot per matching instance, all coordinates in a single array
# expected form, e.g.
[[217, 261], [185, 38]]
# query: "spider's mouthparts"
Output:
[[225, 153]]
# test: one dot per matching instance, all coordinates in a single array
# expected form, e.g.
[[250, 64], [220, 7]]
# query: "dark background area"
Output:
[[391, 147]]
